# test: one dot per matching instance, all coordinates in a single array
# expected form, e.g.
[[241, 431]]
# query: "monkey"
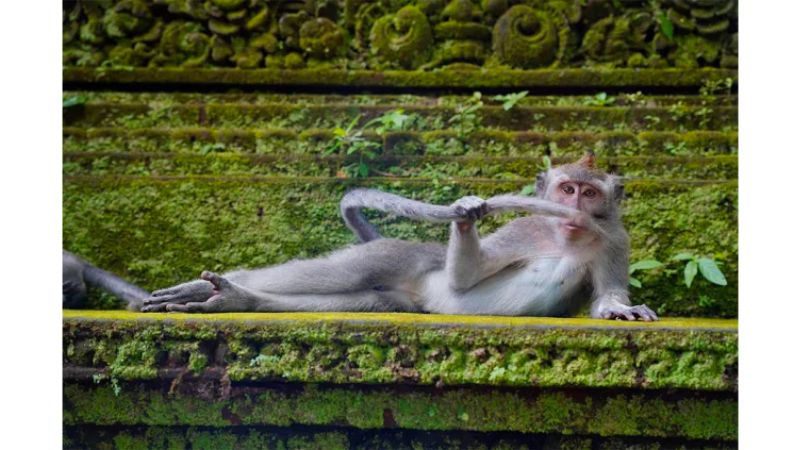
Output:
[[572, 251], [77, 273]]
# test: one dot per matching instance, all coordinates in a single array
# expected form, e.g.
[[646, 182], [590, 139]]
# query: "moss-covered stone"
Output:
[[472, 79], [410, 349], [447, 409], [402, 33]]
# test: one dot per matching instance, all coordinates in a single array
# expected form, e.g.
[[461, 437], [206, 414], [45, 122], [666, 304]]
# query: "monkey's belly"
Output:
[[543, 288]]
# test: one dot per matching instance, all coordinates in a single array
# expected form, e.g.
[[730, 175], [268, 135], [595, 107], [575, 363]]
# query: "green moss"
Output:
[[401, 348], [529, 38], [590, 413], [404, 39], [475, 79]]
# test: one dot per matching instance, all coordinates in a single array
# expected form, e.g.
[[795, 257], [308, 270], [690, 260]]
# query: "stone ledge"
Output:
[[582, 79], [698, 354]]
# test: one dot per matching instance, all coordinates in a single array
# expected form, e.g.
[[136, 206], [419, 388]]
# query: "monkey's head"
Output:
[[581, 185]]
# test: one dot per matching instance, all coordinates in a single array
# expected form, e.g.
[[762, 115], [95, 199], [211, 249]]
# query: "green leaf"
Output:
[[634, 282], [363, 169], [666, 25], [689, 272], [547, 162], [646, 264], [529, 189], [682, 256], [73, 100], [353, 122], [710, 271], [339, 131]]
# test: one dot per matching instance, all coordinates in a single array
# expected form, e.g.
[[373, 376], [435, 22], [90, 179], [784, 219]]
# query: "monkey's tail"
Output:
[[355, 200], [130, 293]]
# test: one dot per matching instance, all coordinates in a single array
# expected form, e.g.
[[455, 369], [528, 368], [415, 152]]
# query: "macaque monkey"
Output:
[[573, 252], [77, 273]]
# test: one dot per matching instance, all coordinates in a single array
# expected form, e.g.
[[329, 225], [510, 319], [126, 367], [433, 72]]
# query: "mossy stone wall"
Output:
[[404, 34]]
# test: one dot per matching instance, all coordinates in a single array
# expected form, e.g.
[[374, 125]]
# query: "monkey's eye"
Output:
[[568, 189], [590, 193]]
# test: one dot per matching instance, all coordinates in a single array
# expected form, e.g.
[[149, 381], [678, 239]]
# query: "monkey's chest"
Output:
[[540, 288]]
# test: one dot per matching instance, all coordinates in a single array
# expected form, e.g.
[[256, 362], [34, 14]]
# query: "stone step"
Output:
[[538, 81], [160, 230], [677, 116], [156, 99], [186, 162], [444, 142], [338, 437], [402, 371]]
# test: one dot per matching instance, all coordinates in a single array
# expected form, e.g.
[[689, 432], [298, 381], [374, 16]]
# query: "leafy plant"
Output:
[[706, 266], [600, 99], [665, 25], [351, 139], [466, 118], [73, 100], [713, 87], [646, 264], [509, 100]]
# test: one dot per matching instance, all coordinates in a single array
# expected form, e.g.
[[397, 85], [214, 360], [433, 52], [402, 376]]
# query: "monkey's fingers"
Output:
[[161, 307], [645, 313], [220, 283], [180, 288], [182, 296], [215, 303]]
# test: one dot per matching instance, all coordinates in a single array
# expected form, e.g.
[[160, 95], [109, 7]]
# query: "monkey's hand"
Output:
[[223, 296], [470, 208], [617, 310], [193, 291]]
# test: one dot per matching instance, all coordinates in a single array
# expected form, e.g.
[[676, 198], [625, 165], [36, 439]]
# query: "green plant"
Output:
[[73, 100], [467, 118], [665, 25], [509, 100], [600, 99], [352, 141], [209, 148], [706, 266], [712, 87], [646, 264]]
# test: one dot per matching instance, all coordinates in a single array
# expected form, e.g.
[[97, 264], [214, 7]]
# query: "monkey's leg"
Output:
[[231, 297], [376, 264]]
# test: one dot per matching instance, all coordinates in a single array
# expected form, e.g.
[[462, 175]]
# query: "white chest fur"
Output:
[[535, 289]]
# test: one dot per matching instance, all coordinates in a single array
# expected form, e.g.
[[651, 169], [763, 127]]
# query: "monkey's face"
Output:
[[587, 195]]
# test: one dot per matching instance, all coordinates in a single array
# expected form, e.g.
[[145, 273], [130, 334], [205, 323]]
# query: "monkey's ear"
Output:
[[541, 182], [619, 190], [587, 160]]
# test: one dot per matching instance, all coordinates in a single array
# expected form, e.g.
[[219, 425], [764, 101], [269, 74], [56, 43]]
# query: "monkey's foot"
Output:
[[470, 208], [626, 312], [225, 296], [193, 291]]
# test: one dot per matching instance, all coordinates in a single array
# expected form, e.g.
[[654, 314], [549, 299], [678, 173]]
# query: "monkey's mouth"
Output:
[[573, 227]]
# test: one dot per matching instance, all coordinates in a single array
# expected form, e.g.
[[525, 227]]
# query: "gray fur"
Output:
[[531, 266]]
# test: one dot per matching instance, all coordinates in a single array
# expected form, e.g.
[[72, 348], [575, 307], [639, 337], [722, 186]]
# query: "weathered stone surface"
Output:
[[405, 348], [138, 378]]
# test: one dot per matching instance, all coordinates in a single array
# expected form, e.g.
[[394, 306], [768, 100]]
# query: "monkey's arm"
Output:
[[470, 260], [610, 282]]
